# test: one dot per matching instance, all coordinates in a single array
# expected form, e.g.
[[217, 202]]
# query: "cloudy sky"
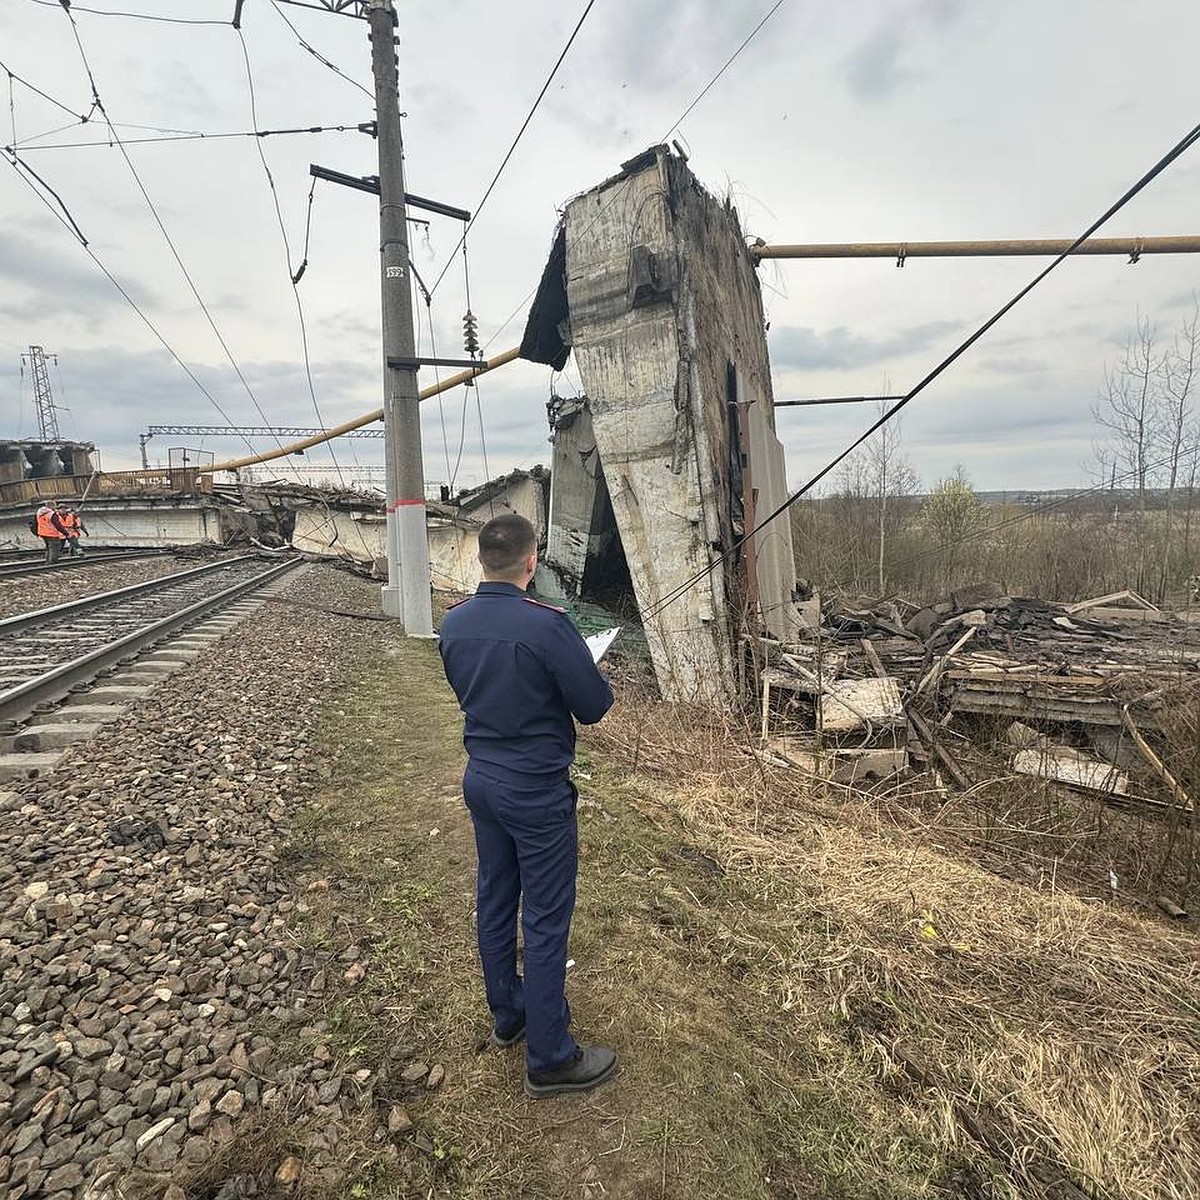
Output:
[[876, 120]]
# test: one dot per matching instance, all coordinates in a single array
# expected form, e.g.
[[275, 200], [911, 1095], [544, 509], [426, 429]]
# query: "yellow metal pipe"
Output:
[[1133, 246], [453, 381]]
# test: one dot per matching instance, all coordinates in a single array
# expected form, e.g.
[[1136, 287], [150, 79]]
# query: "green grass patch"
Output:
[[717, 1095]]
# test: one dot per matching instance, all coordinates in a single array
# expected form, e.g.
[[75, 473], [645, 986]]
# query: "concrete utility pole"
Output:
[[407, 592]]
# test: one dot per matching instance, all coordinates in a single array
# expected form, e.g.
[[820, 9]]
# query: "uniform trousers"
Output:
[[528, 854]]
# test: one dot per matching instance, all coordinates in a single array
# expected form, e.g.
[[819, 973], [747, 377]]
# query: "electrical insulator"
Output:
[[471, 334]]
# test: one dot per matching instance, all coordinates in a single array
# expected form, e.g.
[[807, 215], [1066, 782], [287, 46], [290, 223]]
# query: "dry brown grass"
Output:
[[1061, 1032]]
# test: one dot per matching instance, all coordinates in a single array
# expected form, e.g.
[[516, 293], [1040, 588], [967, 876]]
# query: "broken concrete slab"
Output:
[[1066, 765], [652, 287], [27, 766], [844, 766], [851, 703]]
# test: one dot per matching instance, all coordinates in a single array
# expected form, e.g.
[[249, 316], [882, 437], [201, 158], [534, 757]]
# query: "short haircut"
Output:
[[505, 542]]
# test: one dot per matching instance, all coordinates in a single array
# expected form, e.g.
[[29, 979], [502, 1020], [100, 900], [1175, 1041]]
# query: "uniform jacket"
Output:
[[49, 523], [523, 675]]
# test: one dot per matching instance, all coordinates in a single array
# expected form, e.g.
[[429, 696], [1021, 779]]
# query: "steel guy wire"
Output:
[[325, 62], [1182, 146]]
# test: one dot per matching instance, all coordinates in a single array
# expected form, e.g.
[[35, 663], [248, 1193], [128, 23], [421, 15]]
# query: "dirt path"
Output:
[[808, 1001], [715, 1097]]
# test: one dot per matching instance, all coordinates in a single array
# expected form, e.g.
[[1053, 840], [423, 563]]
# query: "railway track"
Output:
[[16, 565], [48, 654]]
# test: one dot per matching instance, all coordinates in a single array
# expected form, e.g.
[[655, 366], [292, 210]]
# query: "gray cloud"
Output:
[[1018, 365], [41, 283], [794, 347], [652, 45], [876, 68]]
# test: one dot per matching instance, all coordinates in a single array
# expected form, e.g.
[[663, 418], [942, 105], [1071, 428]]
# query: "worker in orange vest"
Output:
[[73, 523], [51, 530]]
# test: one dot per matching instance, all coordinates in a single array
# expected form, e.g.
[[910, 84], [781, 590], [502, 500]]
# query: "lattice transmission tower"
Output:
[[47, 413]]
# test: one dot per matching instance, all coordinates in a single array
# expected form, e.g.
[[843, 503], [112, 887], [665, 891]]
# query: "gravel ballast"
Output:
[[137, 970], [28, 592]]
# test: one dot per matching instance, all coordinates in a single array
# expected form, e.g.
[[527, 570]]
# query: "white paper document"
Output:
[[599, 643]]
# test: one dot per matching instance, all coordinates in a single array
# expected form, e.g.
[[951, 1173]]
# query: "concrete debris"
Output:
[[670, 457], [1082, 689], [1066, 765]]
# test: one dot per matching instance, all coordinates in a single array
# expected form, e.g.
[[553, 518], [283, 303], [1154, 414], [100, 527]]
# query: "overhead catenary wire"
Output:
[[99, 107], [620, 189], [69, 225], [512, 148], [325, 62], [1181, 147], [191, 136], [13, 76], [287, 251], [724, 67], [106, 12]]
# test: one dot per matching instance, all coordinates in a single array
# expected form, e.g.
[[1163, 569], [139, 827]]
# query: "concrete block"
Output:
[[170, 654], [91, 713], [27, 766], [109, 693], [50, 737]]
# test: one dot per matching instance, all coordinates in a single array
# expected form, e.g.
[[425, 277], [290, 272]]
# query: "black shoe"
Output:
[[587, 1068], [504, 1040]]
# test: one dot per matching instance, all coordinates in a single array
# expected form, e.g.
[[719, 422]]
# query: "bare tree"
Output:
[[1180, 377], [890, 477], [1128, 406]]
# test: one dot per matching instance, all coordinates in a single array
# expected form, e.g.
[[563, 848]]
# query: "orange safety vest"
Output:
[[71, 521], [45, 524]]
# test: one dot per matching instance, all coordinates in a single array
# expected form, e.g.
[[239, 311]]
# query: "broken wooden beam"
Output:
[[1156, 764]]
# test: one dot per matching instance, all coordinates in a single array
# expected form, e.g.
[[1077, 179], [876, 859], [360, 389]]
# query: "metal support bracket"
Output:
[[370, 183], [411, 364]]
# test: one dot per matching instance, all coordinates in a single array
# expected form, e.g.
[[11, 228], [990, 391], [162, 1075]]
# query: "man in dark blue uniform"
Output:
[[523, 675]]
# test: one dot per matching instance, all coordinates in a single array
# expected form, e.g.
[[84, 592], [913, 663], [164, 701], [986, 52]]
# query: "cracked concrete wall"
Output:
[[665, 315]]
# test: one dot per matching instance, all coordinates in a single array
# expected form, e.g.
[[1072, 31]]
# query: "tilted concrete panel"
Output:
[[666, 322]]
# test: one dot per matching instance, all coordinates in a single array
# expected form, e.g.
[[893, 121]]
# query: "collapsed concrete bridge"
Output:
[[658, 473]]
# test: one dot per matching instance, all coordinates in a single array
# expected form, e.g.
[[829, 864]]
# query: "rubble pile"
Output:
[[1081, 686]]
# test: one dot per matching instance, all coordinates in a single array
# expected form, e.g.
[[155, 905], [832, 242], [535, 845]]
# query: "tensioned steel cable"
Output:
[[99, 107], [1182, 146], [619, 190], [511, 150], [107, 12], [287, 253], [68, 223]]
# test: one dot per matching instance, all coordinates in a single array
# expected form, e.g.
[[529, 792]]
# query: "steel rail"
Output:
[[17, 570], [57, 683], [72, 608]]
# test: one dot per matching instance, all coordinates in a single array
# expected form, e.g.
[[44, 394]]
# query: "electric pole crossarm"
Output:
[[345, 8], [370, 183]]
